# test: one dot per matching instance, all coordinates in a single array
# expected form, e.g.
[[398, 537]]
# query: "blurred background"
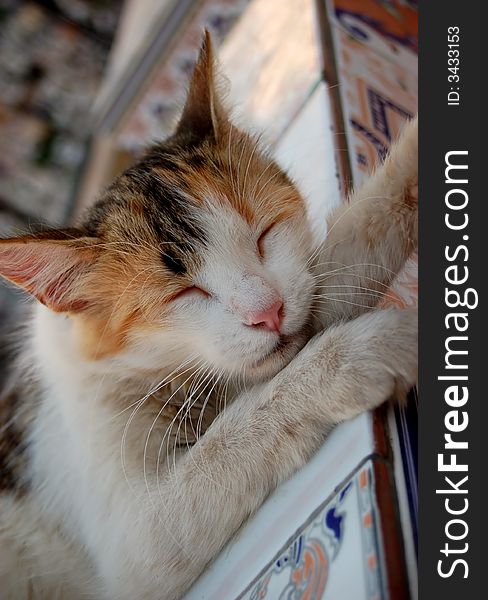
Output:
[[86, 84], [52, 62], [53, 56]]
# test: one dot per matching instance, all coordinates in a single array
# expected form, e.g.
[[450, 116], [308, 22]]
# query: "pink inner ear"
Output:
[[17, 267], [48, 270], [58, 294]]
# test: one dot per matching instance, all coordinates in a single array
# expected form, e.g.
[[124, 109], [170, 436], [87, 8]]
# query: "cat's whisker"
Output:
[[205, 376], [204, 472], [198, 432], [168, 401], [188, 403], [203, 369], [238, 167], [223, 399], [139, 404], [319, 312], [339, 297], [230, 380], [324, 298], [246, 172], [351, 287], [195, 431], [364, 279], [344, 266], [229, 158], [200, 417], [122, 444], [345, 274], [260, 196], [321, 248], [253, 193], [279, 192], [207, 383], [174, 374], [194, 399]]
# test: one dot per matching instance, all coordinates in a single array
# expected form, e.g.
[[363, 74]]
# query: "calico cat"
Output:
[[183, 358]]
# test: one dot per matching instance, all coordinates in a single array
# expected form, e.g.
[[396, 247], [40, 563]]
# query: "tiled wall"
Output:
[[334, 554]]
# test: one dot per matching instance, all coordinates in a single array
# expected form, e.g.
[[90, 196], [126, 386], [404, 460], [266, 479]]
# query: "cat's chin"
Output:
[[278, 357]]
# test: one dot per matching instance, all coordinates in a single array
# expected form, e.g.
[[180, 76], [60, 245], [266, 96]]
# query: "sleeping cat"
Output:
[[189, 350]]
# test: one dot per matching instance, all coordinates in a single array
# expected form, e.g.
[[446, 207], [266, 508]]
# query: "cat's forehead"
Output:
[[184, 197]]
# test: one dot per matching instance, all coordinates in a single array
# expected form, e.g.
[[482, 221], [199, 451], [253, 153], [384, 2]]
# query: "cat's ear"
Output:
[[50, 266], [203, 115]]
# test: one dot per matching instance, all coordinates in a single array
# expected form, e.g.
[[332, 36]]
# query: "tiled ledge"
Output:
[[290, 512]]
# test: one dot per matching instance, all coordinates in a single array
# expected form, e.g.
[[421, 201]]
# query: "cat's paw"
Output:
[[364, 362], [388, 361], [354, 367], [404, 345]]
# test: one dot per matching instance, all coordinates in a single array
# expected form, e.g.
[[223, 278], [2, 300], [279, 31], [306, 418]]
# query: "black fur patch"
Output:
[[173, 263], [169, 214], [158, 185]]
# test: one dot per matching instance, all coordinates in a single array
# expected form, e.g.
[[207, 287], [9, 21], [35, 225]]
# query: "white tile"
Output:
[[271, 58], [306, 152]]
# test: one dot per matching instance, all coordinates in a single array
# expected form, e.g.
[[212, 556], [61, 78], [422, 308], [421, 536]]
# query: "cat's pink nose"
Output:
[[269, 318]]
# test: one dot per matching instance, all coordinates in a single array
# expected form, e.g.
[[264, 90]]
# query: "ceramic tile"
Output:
[[378, 96], [341, 538], [405, 494], [285, 512]]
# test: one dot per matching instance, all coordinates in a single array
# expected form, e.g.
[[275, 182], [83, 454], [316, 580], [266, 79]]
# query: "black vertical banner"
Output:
[[453, 251]]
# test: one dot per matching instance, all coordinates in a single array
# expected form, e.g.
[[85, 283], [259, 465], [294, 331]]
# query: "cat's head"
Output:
[[199, 251]]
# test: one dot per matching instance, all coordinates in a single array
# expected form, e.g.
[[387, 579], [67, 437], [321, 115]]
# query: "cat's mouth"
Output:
[[281, 353], [278, 349]]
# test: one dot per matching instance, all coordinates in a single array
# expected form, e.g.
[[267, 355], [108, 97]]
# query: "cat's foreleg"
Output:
[[371, 236], [261, 439]]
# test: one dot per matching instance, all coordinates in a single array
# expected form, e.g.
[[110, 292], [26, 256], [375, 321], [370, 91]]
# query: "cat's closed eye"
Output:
[[191, 290], [262, 238]]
